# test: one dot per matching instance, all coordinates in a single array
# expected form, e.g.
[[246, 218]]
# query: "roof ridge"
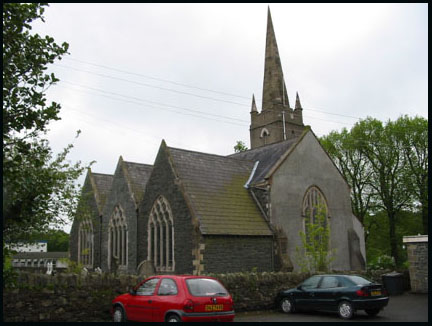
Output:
[[208, 154], [111, 175], [142, 164], [265, 146]]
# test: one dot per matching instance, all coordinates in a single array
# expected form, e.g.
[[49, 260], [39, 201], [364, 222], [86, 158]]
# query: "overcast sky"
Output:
[[140, 73]]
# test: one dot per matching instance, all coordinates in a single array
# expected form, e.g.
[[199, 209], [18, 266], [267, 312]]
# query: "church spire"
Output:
[[298, 104], [274, 89], [254, 107]]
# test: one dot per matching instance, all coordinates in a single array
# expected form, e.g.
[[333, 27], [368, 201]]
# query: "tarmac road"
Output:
[[407, 307]]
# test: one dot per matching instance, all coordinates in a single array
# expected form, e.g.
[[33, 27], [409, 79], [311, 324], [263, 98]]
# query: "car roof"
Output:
[[181, 276]]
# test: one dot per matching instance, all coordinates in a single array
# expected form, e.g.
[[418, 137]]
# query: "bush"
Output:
[[382, 262], [9, 273]]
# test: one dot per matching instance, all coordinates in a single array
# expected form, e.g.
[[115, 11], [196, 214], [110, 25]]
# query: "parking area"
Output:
[[407, 307]]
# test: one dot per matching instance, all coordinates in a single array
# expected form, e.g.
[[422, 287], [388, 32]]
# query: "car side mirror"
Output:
[[132, 292], [300, 287]]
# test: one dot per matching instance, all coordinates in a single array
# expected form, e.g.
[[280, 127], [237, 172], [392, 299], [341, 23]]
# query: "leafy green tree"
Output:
[[38, 187], [414, 138], [58, 240], [382, 145], [315, 255], [240, 147]]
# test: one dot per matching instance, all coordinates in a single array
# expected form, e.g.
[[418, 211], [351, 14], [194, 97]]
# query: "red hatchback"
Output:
[[175, 298]]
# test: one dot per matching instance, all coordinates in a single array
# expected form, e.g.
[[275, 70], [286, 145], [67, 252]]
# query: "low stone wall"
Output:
[[69, 297]]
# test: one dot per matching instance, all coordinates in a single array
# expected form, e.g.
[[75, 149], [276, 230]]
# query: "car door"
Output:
[[140, 306], [167, 298], [327, 293], [305, 298]]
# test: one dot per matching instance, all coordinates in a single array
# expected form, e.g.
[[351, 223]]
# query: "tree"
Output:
[[414, 138], [58, 240], [240, 147], [355, 167], [38, 187], [383, 147]]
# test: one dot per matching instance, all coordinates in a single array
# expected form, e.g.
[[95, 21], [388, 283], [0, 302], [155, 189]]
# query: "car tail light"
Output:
[[384, 292], [362, 293], [188, 306]]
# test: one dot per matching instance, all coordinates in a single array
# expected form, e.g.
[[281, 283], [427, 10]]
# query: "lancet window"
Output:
[[117, 239], [86, 243], [315, 209], [161, 236]]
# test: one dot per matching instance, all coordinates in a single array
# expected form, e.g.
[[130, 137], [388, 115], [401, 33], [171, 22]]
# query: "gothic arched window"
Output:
[[161, 236], [86, 243], [117, 239], [314, 203], [264, 134]]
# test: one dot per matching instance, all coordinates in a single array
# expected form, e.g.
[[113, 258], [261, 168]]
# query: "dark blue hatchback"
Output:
[[344, 294]]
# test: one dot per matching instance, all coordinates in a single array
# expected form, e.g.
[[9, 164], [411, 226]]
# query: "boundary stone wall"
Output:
[[72, 297]]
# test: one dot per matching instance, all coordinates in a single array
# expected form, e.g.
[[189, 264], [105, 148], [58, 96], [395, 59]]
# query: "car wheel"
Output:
[[345, 310], [118, 315], [372, 312], [286, 305], [173, 319]]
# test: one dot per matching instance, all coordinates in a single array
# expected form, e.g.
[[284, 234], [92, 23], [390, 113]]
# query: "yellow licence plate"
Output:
[[375, 292], [214, 307]]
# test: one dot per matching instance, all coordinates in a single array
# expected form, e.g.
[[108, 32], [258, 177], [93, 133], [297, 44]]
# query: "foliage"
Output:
[[58, 240], [386, 166], [9, 273], [378, 243], [38, 187], [414, 138], [240, 147], [315, 254], [382, 262], [73, 266], [25, 59]]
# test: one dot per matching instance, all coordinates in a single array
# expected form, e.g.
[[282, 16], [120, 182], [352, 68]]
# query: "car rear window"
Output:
[[205, 287], [358, 280]]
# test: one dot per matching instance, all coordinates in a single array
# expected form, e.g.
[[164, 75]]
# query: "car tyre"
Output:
[[372, 312], [345, 310], [119, 315], [173, 319], [287, 305]]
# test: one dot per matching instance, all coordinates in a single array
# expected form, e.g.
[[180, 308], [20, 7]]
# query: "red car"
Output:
[[175, 298]]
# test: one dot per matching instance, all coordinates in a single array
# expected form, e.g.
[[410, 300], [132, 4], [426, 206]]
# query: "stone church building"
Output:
[[193, 212]]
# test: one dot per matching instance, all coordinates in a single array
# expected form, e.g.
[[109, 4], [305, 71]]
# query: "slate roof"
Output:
[[103, 184], [214, 185], [138, 174], [267, 156]]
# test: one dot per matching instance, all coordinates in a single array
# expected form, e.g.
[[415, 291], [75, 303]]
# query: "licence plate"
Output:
[[214, 307], [377, 292]]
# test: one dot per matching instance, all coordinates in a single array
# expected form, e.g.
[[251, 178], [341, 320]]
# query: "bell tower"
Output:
[[277, 121]]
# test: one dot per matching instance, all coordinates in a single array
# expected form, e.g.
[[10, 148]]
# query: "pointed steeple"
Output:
[[298, 104], [274, 89], [254, 107]]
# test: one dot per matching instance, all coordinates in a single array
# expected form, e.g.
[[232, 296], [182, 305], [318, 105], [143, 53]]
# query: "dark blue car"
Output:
[[344, 294]]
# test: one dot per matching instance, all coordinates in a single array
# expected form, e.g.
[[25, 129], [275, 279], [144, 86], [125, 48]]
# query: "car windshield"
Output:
[[358, 280], [205, 287]]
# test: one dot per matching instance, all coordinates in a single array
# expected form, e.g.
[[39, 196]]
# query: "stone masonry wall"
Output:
[[418, 266], [70, 297], [228, 254]]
